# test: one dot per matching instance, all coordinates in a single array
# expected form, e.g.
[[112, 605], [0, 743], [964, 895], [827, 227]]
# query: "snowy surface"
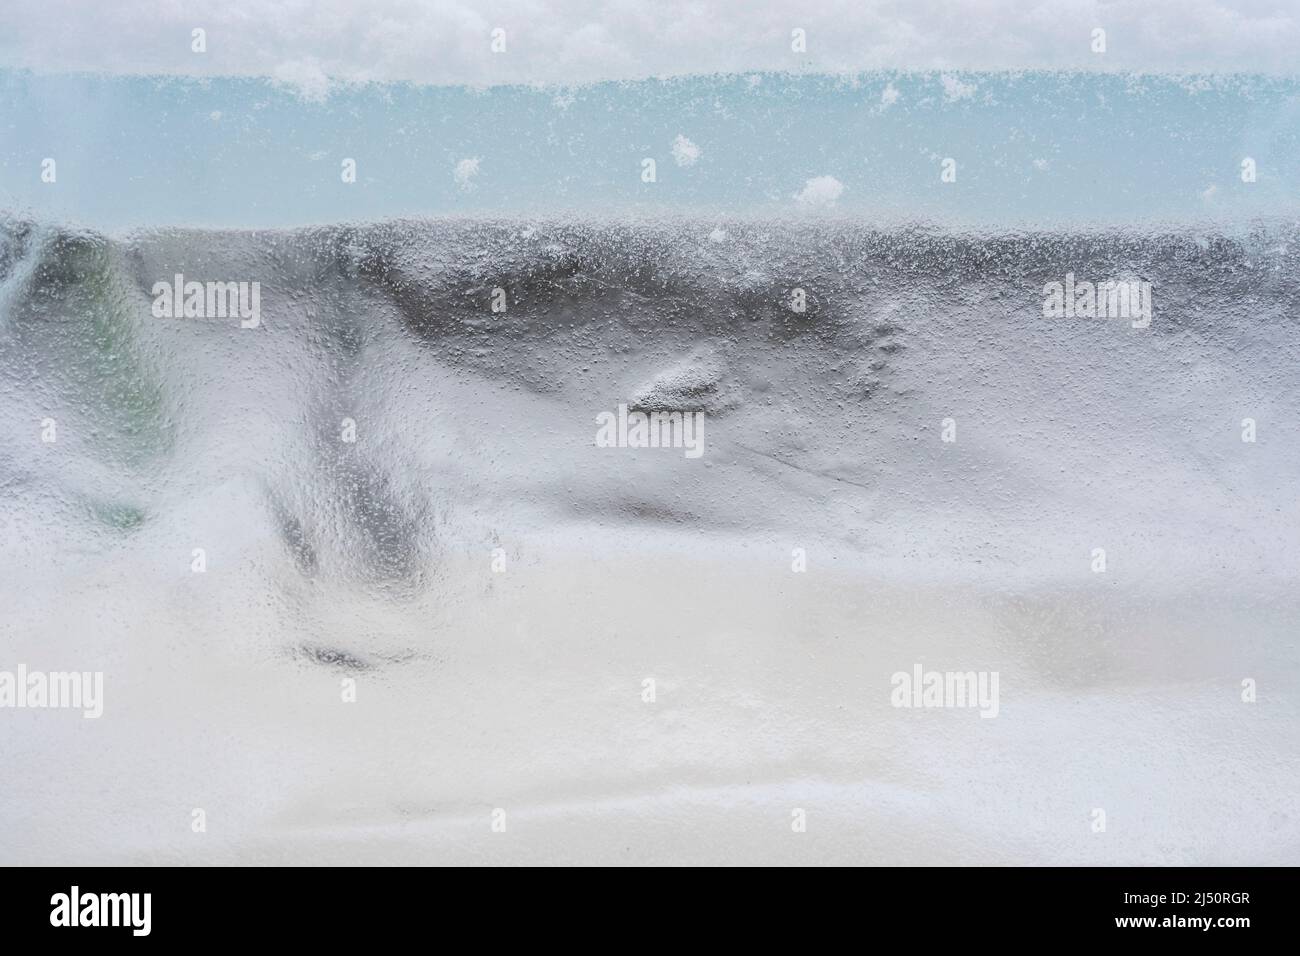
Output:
[[521, 689], [311, 45]]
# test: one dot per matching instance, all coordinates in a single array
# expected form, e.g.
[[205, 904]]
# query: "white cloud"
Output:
[[305, 78], [820, 191], [465, 172], [954, 89], [684, 151]]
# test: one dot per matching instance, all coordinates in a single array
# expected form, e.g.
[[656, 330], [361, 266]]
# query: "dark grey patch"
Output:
[[294, 536], [331, 657]]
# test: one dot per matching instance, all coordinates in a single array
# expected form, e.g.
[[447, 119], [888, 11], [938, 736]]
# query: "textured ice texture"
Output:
[[522, 689]]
